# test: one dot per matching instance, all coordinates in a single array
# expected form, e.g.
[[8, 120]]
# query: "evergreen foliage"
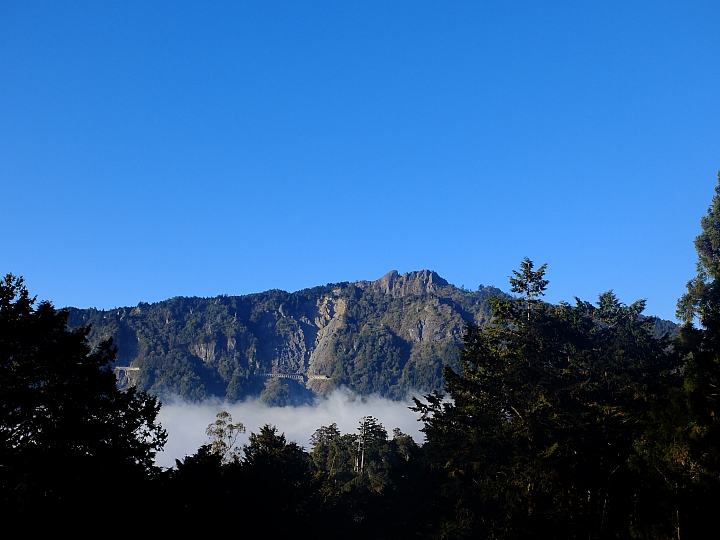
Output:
[[684, 446], [225, 346], [68, 437], [583, 420], [537, 431]]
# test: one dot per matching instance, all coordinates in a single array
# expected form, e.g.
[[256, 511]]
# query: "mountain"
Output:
[[388, 337]]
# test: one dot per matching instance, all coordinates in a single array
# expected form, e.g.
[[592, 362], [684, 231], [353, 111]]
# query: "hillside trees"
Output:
[[67, 434], [373, 486], [701, 304], [384, 342], [684, 444], [270, 481], [538, 433]]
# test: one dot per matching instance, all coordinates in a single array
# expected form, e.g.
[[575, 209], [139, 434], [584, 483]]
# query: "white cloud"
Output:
[[186, 422]]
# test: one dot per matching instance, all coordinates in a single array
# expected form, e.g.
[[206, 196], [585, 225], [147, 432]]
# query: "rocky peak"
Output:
[[410, 283]]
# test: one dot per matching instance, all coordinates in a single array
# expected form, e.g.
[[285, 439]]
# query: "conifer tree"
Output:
[[537, 436], [68, 436], [701, 304], [684, 442], [529, 283]]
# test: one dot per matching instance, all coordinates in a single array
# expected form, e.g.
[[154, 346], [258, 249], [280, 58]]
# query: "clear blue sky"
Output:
[[155, 149]]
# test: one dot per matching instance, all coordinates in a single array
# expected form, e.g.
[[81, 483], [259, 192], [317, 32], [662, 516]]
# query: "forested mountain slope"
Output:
[[388, 337]]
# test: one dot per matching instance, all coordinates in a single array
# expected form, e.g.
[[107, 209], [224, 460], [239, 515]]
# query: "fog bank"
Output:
[[186, 422]]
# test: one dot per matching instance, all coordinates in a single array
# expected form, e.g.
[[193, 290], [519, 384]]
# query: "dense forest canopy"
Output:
[[557, 420]]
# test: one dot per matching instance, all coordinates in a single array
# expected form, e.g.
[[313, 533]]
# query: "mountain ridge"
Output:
[[391, 337]]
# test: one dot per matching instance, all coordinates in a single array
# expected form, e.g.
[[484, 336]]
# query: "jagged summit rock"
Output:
[[410, 283]]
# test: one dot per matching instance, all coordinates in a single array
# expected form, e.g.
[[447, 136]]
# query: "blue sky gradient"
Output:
[[156, 149]]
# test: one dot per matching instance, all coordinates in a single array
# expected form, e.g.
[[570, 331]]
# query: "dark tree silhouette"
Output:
[[537, 438], [68, 437]]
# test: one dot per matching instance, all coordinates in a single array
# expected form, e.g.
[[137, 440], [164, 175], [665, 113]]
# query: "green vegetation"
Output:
[[538, 436], [558, 421], [369, 340]]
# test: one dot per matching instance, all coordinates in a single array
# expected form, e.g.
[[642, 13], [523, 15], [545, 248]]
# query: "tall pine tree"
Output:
[[683, 445], [537, 437]]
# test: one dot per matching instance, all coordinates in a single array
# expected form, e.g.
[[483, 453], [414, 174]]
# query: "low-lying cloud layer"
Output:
[[186, 422]]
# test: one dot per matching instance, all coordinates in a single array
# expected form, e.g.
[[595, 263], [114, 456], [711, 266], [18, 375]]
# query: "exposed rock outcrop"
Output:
[[204, 351], [386, 336], [410, 283]]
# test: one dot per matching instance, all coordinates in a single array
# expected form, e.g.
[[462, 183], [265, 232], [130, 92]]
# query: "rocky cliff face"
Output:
[[389, 336], [411, 283]]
